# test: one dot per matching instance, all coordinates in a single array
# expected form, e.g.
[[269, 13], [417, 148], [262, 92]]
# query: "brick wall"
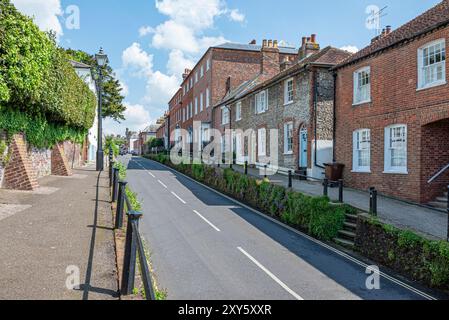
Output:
[[73, 152], [19, 173], [394, 100], [59, 164]]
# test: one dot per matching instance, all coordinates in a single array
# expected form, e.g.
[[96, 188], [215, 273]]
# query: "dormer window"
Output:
[[432, 64]]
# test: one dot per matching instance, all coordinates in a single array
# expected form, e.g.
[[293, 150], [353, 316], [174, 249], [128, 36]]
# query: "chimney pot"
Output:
[[313, 38], [303, 40], [308, 39], [388, 30], [275, 44], [253, 42], [270, 43], [264, 43]]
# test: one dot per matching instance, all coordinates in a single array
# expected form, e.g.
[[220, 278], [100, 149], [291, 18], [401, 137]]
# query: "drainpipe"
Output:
[[334, 124], [315, 107]]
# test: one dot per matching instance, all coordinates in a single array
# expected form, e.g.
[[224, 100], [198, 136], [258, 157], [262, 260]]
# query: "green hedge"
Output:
[[414, 256], [314, 215], [36, 77]]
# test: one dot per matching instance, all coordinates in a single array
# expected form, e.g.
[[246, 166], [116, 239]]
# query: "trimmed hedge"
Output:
[[36, 77], [314, 215], [420, 259]]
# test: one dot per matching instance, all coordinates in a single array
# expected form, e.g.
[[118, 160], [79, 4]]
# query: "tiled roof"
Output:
[[428, 21], [80, 65], [328, 56], [254, 47]]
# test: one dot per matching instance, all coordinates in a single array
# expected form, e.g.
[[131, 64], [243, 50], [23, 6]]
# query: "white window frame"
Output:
[[208, 64], [261, 102], [422, 84], [191, 109], [196, 76], [357, 149], [196, 105], [288, 135], [201, 102], [238, 111], [224, 116], [289, 93], [262, 142], [357, 98], [389, 168], [207, 98], [202, 71]]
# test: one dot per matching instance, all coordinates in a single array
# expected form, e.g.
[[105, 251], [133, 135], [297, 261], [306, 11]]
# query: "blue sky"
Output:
[[150, 42]]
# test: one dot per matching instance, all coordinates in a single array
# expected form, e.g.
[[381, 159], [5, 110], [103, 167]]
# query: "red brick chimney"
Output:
[[309, 46], [270, 64]]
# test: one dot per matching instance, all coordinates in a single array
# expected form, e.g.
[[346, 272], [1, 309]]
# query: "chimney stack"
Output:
[[264, 43], [186, 73], [309, 46], [270, 61], [388, 30], [253, 42]]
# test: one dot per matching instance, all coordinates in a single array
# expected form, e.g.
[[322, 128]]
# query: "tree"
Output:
[[113, 106]]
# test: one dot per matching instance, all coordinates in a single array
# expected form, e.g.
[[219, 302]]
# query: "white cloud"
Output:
[[173, 35], [177, 62], [236, 15], [137, 60], [160, 88], [352, 49], [46, 13], [143, 31], [137, 118]]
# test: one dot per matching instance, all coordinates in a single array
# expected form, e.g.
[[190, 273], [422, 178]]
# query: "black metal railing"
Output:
[[133, 244]]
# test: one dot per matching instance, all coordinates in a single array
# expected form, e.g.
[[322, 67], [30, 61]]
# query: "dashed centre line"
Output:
[[271, 275], [207, 221], [162, 184], [178, 197]]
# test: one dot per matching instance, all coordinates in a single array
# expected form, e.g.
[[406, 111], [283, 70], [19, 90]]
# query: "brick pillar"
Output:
[[59, 163], [19, 173]]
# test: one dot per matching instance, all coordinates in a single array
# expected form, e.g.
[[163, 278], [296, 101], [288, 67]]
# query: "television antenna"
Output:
[[374, 19]]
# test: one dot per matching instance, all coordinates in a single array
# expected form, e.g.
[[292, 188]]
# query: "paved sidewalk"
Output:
[[67, 222], [403, 215]]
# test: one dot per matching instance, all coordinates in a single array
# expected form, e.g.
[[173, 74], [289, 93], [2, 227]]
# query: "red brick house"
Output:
[[221, 67], [392, 110]]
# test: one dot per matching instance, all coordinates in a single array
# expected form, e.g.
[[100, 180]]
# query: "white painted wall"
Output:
[[324, 155]]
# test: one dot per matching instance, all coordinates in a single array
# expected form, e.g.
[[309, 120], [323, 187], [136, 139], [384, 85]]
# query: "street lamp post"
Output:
[[101, 59]]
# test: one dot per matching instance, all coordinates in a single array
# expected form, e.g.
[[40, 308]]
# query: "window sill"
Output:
[[290, 153], [355, 104], [361, 171], [430, 86], [257, 113], [288, 103], [238, 120], [402, 172]]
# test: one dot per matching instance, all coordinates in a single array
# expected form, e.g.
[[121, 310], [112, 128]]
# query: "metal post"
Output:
[[265, 174], [246, 168], [114, 184], [374, 202], [340, 190], [326, 187], [120, 204], [129, 261], [111, 166], [100, 154], [447, 213], [290, 179], [371, 199]]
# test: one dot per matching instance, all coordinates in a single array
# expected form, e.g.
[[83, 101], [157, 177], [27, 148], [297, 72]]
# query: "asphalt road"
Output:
[[205, 246]]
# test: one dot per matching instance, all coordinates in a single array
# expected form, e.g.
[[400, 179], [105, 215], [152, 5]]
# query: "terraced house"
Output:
[[392, 106], [221, 67], [294, 97]]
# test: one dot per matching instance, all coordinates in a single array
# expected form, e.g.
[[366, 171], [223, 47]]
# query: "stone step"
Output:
[[437, 204], [350, 225], [344, 242], [352, 218], [347, 234], [441, 199]]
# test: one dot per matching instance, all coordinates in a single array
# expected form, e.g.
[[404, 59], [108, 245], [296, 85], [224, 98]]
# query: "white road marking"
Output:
[[162, 184], [271, 275], [207, 221], [151, 174], [320, 243], [178, 197]]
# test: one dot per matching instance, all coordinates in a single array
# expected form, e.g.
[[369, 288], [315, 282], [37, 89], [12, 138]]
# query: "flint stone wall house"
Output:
[[221, 67], [297, 100], [392, 107]]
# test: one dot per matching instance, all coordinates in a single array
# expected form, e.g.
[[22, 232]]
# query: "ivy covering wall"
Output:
[[40, 92]]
